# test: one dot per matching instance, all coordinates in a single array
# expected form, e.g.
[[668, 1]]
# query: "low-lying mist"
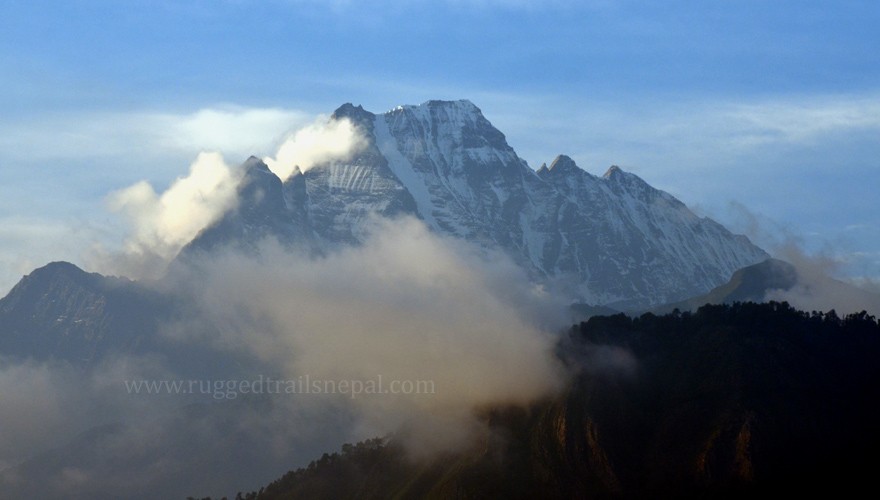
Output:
[[406, 305], [820, 282], [458, 328]]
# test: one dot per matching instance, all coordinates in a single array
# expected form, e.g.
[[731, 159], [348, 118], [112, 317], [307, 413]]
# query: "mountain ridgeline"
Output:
[[611, 240]]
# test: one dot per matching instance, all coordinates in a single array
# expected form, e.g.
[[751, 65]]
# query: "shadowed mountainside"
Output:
[[61, 312], [731, 401]]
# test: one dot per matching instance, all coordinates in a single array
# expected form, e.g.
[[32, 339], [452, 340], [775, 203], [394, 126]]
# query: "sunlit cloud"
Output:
[[162, 224], [322, 141]]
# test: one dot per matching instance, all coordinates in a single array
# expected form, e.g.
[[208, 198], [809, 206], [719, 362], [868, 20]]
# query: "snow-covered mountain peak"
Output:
[[610, 240], [460, 122], [461, 107], [445, 137]]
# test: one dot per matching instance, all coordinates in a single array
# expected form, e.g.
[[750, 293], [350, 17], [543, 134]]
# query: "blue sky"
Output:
[[748, 111]]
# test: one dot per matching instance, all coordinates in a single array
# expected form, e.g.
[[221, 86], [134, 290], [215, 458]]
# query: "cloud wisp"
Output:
[[820, 286], [818, 290], [323, 141], [673, 134], [163, 224]]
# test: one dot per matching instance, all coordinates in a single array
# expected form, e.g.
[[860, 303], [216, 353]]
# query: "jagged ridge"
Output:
[[612, 240]]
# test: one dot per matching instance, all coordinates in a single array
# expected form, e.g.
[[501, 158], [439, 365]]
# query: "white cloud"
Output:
[[162, 224], [54, 168], [322, 141], [234, 130]]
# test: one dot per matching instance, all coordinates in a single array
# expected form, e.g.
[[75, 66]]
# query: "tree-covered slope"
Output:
[[730, 401]]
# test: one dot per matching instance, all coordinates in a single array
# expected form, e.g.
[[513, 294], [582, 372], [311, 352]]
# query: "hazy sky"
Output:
[[769, 105]]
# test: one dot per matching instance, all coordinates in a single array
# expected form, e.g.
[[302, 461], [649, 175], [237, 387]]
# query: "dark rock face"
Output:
[[61, 312], [261, 212]]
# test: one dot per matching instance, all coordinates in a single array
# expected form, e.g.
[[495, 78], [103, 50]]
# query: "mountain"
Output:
[[778, 280], [61, 312], [610, 240], [732, 401], [749, 284]]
